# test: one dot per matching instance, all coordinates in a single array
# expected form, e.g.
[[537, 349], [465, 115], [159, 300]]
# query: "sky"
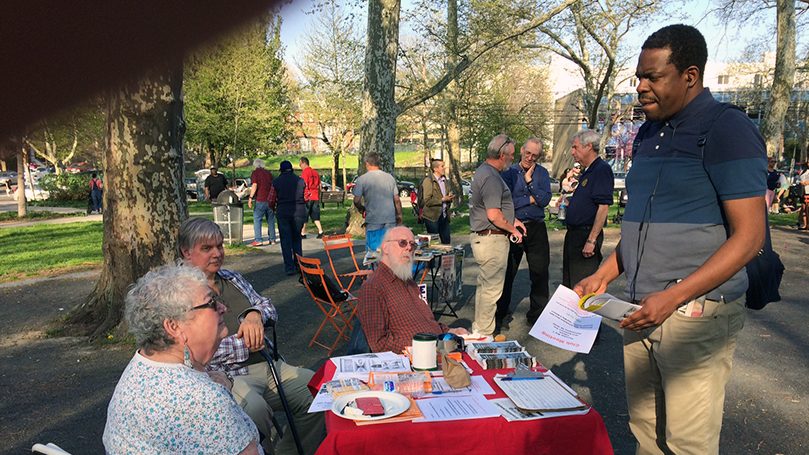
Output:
[[723, 45]]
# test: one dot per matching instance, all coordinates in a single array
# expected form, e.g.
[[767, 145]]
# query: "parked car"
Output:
[[35, 193], [405, 188], [10, 176], [327, 187], [466, 187]]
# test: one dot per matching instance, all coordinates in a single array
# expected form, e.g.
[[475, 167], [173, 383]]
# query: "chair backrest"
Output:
[[335, 242], [320, 286]]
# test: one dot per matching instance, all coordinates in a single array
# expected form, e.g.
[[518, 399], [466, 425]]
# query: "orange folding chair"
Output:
[[335, 242], [338, 305]]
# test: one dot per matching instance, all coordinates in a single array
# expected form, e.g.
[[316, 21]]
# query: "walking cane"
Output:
[[277, 380]]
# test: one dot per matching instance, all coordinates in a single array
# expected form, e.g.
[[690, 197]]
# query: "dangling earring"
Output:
[[187, 357]]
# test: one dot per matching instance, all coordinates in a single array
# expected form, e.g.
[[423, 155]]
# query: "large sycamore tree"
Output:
[[144, 198]]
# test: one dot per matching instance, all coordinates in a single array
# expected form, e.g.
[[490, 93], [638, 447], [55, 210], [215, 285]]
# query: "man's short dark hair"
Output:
[[373, 159], [434, 164], [305, 160], [686, 43]]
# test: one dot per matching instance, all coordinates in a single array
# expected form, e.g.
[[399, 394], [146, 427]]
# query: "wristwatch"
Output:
[[592, 242]]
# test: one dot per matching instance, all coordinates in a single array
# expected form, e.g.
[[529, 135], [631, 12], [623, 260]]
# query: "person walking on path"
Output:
[[263, 192], [214, 184], [291, 213], [587, 210], [96, 193], [491, 218], [683, 248], [382, 208], [530, 186], [311, 195], [435, 201]]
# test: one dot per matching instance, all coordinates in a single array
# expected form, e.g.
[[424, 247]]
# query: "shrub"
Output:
[[66, 187]]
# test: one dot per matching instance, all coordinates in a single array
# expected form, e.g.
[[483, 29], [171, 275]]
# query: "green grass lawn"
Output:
[[29, 251], [10, 217]]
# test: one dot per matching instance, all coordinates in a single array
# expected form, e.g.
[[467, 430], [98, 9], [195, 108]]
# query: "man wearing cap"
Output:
[[291, 212], [491, 218], [587, 210], [214, 184]]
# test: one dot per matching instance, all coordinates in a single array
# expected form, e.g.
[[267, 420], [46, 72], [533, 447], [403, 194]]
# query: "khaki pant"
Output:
[[257, 395], [675, 379], [491, 253]]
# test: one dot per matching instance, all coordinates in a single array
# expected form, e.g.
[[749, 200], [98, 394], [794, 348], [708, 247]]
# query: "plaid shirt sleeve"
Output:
[[233, 350]]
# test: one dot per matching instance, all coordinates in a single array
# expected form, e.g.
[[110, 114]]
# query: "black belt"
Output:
[[532, 222], [579, 228]]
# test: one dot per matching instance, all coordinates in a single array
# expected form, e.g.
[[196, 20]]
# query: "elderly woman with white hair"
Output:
[[165, 401]]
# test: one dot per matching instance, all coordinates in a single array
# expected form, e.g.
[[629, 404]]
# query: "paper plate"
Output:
[[393, 403]]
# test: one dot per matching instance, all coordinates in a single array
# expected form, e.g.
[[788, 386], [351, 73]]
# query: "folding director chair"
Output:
[[336, 304], [336, 242]]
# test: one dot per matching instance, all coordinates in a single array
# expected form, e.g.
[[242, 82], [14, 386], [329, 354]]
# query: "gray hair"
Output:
[[373, 159], [258, 163], [196, 230], [496, 146], [588, 137], [534, 140], [166, 292]]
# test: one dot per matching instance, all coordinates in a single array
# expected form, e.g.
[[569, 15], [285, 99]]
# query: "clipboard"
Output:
[[542, 393]]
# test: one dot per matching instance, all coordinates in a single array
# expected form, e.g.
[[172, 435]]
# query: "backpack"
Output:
[[764, 272]]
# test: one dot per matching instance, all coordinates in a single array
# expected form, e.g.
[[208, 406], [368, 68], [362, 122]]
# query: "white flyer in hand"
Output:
[[563, 324]]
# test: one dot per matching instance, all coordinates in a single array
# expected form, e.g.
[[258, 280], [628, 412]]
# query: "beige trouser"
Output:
[[675, 380], [491, 253], [257, 395]]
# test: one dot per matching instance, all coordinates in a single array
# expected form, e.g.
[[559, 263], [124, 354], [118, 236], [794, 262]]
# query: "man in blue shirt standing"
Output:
[[694, 218], [530, 186], [587, 210]]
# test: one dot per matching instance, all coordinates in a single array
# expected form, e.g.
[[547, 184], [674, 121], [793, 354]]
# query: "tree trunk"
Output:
[[379, 109], [783, 78], [453, 157], [22, 207], [144, 195]]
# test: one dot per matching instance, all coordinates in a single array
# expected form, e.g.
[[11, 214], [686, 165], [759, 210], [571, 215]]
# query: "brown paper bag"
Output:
[[454, 373]]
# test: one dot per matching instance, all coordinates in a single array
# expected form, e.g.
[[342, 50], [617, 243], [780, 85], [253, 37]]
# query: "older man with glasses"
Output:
[[248, 314], [390, 307], [491, 219]]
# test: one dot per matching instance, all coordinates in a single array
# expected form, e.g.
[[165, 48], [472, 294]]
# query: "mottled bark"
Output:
[[144, 195], [379, 109], [453, 159], [772, 129]]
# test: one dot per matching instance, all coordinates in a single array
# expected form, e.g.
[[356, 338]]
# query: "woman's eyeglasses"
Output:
[[405, 243], [209, 304]]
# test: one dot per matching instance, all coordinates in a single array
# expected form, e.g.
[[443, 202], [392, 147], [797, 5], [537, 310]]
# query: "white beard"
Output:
[[402, 271]]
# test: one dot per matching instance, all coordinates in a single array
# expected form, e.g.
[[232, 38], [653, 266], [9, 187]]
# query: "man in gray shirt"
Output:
[[383, 208], [491, 218]]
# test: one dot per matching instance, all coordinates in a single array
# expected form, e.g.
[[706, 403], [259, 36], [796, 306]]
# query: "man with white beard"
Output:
[[390, 308]]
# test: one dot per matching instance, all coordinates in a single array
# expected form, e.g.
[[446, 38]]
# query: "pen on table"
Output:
[[441, 392], [520, 379]]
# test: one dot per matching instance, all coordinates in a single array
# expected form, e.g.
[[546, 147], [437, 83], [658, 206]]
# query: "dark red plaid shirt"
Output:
[[391, 312]]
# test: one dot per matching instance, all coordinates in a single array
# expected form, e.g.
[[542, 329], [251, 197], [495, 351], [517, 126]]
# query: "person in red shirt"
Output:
[[311, 195], [390, 308], [263, 193]]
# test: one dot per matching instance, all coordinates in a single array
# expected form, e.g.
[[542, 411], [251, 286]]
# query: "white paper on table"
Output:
[[322, 401], [479, 386], [539, 394], [564, 325], [447, 407], [510, 412], [365, 363]]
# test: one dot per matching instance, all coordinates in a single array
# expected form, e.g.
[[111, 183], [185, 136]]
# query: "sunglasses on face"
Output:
[[209, 304], [404, 244]]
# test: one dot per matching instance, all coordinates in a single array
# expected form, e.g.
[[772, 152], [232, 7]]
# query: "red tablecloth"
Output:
[[573, 435]]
